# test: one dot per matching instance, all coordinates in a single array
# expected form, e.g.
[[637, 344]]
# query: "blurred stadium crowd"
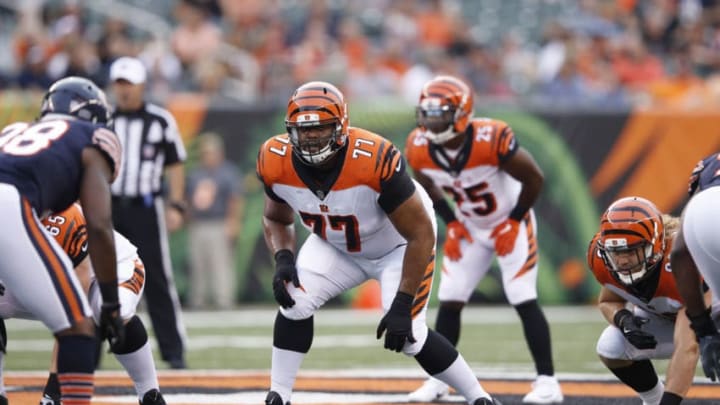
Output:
[[594, 53]]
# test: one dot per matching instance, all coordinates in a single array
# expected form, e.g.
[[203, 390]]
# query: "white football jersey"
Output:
[[349, 210], [484, 195]]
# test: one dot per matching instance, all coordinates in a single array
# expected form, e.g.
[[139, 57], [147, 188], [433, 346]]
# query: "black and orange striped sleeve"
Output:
[[506, 143], [396, 186]]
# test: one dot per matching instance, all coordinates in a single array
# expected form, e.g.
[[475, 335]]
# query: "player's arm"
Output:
[[681, 369], [687, 276], [522, 166], [278, 225], [609, 304], [84, 273], [440, 203], [96, 202], [413, 223]]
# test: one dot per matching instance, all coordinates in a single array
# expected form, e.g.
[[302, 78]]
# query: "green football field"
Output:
[[491, 341]]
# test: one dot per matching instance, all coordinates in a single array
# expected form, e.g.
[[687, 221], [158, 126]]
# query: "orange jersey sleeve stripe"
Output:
[[68, 294]]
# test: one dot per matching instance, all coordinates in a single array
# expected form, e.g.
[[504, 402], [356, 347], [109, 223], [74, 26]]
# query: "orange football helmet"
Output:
[[445, 108], [317, 122], [632, 239]]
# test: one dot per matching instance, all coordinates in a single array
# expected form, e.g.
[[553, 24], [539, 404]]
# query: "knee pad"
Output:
[[294, 335], [135, 336], [437, 354]]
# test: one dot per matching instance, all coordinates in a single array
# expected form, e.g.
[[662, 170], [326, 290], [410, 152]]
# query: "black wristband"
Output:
[[109, 291], [284, 256], [518, 213], [620, 315], [403, 300], [444, 210], [702, 323], [180, 206]]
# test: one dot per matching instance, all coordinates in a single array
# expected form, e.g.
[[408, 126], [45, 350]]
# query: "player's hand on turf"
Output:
[[710, 356], [709, 341], [397, 323], [285, 272]]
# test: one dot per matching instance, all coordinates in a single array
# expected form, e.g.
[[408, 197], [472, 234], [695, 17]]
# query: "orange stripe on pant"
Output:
[[423, 292], [56, 265], [532, 248]]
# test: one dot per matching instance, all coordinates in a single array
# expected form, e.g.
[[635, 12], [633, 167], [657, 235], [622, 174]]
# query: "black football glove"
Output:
[[709, 341], [111, 325], [398, 323], [285, 272], [631, 327]]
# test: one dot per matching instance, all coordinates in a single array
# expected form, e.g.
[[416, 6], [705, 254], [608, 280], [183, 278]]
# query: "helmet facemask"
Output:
[[437, 119], [628, 264], [315, 141]]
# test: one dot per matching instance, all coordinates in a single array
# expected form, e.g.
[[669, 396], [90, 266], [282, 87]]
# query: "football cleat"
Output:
[[273, 398], [487, 401], [545, 390], [431, 390], [153, 397], [48, 400]]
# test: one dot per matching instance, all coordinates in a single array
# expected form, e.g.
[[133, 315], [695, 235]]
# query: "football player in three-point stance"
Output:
[[70, 231], [494, 183], [68, 154], [629, 257], [368, 221], [695, 256]]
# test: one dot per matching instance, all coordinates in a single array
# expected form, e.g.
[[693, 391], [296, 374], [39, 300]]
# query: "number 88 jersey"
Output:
[[348, 207], [43, 160], [483, 193]]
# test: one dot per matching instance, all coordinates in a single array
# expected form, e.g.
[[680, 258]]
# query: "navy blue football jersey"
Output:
[[706, 174], [43, 160]]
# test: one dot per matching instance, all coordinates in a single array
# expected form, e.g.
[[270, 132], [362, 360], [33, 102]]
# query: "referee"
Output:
[[152, 147]]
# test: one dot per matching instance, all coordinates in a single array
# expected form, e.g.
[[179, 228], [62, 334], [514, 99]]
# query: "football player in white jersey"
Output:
[[494, 183], [69, 230], [368, 220]]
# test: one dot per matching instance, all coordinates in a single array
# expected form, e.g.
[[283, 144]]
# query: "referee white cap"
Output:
[[127, 68]]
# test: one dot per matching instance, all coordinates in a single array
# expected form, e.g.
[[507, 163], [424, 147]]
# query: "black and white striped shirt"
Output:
[[151, 141]]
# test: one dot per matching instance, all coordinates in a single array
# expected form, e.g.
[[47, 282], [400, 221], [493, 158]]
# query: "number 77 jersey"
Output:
[[483, 193], [347, 205]]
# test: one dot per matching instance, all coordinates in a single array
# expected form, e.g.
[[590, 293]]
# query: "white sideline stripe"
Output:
[[258, 397], [482, 373], [265, 316], [218, 342]]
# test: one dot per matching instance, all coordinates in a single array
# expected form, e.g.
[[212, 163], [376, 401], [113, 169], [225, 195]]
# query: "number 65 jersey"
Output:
[[347, 205], [483, 193]]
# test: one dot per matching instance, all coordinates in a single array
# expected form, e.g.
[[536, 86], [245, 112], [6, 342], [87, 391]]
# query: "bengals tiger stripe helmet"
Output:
[[445, 108], [632, 239], [322, 106]]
